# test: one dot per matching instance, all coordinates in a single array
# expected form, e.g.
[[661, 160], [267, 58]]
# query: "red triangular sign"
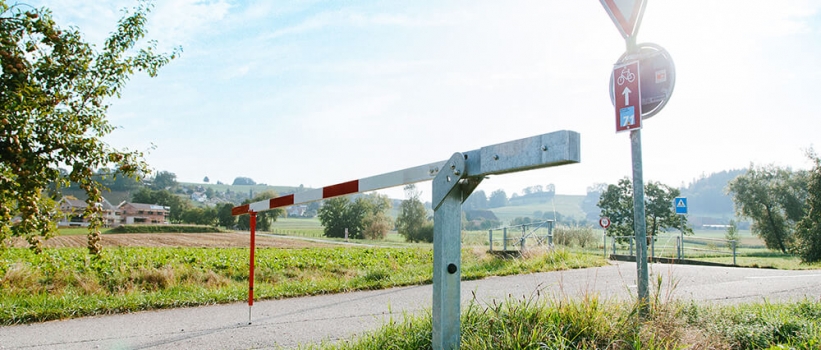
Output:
[[626, 14]]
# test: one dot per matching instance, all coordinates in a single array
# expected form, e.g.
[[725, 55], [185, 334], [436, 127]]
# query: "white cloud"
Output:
[[177, 22]]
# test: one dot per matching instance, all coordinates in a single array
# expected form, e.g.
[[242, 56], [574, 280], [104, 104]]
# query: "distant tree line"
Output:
[[784, 206]]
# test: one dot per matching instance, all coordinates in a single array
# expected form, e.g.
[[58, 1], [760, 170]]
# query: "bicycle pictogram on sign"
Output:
[[626, 75]]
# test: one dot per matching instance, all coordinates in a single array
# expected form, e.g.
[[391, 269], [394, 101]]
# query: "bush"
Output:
[[164, 229], [574, 236]]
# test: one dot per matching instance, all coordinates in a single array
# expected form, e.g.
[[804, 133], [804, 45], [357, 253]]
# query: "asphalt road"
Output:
[[287, 323]]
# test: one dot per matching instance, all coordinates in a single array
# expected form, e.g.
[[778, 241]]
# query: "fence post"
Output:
[[504, 239], [678, 248], [734, 248], [652, 247], [631, 247], [681, 255], [490, 239], [550, 233]]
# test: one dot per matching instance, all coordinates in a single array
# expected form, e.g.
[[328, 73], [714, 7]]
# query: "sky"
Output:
[[315, 93]]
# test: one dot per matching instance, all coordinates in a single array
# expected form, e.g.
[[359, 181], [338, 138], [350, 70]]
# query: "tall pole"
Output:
[[253, 220], [639, 217]]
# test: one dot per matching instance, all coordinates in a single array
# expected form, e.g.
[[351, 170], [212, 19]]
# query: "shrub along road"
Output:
[[289, 322]]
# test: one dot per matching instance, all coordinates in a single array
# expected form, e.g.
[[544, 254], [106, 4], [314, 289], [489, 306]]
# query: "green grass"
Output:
[[242, 188], [67, 282], [164, 229], [567, 205], [71, 231], [588, 322]]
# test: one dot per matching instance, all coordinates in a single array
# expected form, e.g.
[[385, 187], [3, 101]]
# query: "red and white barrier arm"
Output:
[[393, 179]]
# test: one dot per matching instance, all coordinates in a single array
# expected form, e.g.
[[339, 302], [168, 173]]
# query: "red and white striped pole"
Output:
[[251, 264], [397, 178]]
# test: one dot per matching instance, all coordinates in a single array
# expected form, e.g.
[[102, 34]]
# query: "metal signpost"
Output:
[[604, 222], [453, 181], [626, 14]]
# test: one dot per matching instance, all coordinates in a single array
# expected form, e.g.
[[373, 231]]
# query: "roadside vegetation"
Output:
[[68, 282], [589, 322]]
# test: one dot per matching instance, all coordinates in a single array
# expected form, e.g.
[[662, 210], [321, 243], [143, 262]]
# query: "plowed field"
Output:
[[213, 240]]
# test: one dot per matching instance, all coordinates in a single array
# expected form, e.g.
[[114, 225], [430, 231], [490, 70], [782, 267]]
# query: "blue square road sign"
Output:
[[680, 203]]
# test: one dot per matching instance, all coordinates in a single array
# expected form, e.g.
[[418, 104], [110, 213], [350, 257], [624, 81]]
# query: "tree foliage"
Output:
[[377, 223], [164, 180], [808, 231], [497, 199], [774, 199], [731, 234], [707, 195], [243, 181], [224, 216], [54, 96], [264, 218], [364, 217], [476, 201], [616, 203], [413, 220]]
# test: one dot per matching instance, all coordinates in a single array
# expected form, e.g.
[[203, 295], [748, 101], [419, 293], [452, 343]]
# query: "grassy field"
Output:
[[243, 188], [751, 251], [567, 205], [67, 282]]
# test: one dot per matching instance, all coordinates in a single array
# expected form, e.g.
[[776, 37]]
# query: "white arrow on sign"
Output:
[[626, 93]]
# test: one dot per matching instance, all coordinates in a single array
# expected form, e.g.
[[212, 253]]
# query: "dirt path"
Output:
[[209, 240]]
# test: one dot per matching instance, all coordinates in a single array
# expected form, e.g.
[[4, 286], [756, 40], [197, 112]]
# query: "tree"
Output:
[[54, 95], [365, 217], [200, 216], [334, 216], [264, 218], [497, 199], [224, 216], [731, 234], [808, 231], [205, 179], [707, 194], [412, 219], [616, 203], [661, 215], [164, 180], [243, 181], [376, 223], [476, 201], [774, 199]]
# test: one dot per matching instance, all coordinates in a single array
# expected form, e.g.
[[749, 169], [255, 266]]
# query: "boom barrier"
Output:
[[453, 181]]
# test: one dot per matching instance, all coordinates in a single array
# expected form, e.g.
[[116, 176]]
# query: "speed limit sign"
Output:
[[604, 222]]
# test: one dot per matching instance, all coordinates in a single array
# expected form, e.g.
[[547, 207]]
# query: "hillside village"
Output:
[[712, 208]]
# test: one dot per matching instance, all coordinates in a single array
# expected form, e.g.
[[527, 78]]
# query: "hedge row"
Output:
[[164, 229]]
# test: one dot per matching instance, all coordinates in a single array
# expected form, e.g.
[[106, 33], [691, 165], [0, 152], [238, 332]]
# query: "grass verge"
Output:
[[67, 282], [591, 323]]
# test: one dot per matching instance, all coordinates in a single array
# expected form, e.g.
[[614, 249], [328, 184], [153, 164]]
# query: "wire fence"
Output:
[[674, 247]]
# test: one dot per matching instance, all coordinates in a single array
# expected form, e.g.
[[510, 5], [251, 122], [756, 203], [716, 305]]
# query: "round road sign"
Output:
[[657, 75], [604, 222]]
